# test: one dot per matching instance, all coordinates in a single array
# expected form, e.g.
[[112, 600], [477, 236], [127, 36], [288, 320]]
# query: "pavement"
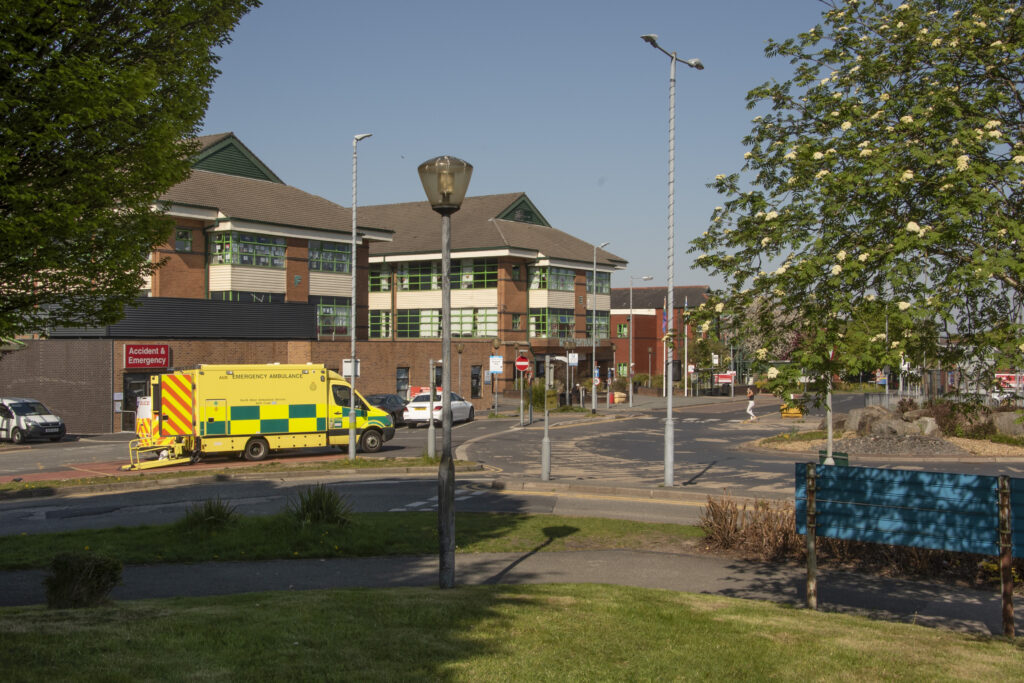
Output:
[[921, 602]]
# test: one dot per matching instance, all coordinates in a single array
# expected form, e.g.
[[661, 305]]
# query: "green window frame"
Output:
[[475, 322], [333, 315], [622, 330], [380, 277], [380, 325], [552, 278], [603, 319], [475, 273], [622, 370], [247, 249], [249, 297], [330, 257], [517, 321], [418, 276], [182, 239], [417, 323], [552, 322], [604, 282]]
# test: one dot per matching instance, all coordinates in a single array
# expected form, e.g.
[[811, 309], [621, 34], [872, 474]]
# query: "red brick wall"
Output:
[[296, 266], [183, 274]]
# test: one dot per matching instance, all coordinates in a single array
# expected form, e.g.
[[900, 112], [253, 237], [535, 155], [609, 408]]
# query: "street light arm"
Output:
[[652, 39]]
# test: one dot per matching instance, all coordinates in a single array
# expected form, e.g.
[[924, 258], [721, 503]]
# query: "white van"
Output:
[[26, 418]]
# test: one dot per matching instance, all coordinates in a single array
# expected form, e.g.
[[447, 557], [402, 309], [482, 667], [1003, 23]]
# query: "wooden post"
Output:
[[1006, 555], [812, 560]]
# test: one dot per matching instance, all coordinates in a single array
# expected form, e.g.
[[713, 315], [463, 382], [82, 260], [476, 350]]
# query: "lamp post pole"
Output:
[[352, 312], [630, 372], [445, 180], [593, 332], [670, 314]]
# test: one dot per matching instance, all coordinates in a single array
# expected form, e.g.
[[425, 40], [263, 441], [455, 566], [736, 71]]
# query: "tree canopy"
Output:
[[882, 187], [100, 103]]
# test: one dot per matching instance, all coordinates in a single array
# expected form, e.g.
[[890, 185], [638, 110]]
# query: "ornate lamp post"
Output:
[[629, 372], [670, 314], [445, 180], [352, 313]]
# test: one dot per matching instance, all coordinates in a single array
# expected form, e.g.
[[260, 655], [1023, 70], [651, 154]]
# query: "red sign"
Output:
[[724, 377], [522, 364], [146, 356]]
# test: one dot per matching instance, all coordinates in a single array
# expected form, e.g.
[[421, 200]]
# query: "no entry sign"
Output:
[[522, 363]]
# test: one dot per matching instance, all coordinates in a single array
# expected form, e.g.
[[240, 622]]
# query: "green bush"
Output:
[[320, 505], [642, 378], [208, 516], [81, 579], [620, 384]]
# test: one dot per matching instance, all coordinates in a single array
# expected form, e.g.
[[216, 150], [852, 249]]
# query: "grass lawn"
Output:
[[552, 632], [368, 534]]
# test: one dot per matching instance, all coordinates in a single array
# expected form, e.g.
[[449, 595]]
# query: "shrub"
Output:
[[642, 378], [208, 516], [766, 529], [81, 579], [970, 420], [906, 405], [320, 505]]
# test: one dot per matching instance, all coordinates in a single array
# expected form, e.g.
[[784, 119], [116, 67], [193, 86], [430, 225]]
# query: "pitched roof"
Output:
[[475, 227], [654, 297], [262, 201]]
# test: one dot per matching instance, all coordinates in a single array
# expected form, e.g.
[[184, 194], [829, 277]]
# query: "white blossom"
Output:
[[903, 305], [771, 215], [765, 241], [870, 297], [907, 119], [995, 134], [773, 372], [762, 354], [820, 174], [894, 345], [1019, 159], [846, 125], [818, 155], [719, 307], [962, 162], [747, 155], [907, 175], [866, 152], [884, 97], [836, 269], [862, 257], [989, 125], [790, 155], [841, 256]]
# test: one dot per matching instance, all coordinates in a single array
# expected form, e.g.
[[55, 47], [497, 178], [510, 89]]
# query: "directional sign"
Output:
[[522, 363], [497, 362]]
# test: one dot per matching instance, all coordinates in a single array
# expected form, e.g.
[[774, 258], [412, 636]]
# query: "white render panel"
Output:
[[474, 298], [379, 301], [538, 298], [329, 284], [243, 279], [561, 300], [424, 299], [604, 302]]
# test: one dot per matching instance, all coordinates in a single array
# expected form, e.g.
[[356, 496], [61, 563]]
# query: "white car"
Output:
[[26, 418], [417, 411]]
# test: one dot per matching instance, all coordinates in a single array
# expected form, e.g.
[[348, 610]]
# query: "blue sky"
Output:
[[559, 99]]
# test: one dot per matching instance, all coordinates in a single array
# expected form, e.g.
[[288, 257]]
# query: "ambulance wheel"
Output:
[[256, 450], [17, 436], [372, 441]]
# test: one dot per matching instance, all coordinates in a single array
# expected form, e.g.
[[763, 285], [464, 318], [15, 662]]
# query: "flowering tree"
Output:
[[887, 174]]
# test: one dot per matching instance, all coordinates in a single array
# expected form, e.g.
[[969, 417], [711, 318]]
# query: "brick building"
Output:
[[257, 271]]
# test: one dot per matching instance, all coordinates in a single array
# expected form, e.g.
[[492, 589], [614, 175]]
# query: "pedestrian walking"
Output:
[[750, 404]]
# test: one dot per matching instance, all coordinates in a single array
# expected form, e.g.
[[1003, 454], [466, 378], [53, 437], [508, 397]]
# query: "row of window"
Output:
[[426, 323], [560, 323], [266, 251]]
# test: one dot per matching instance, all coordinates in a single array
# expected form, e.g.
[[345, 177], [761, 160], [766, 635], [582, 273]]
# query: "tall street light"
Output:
[[629, 373], [445, 180], [593, 332], [670, 303], [352, 313]]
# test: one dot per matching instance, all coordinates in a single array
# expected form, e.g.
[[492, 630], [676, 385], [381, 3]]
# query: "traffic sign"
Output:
[[522, 363]]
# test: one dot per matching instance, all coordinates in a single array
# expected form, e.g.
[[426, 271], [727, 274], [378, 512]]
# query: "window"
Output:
[[330, 257], [380, 277], [333, 315], [517, 321], [602, 324], [247, 249], [474, 273], [342, 395], [622, 370], [622, 329], [552, 278], [402, 381], [415, 323], [415, 276], [182, 239], [604, 282], [474, 322], [380, 324], [552, 322], [474, 381], [515, 273], [251, 297]]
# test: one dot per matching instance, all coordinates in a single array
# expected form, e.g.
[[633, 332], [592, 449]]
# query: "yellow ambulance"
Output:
[[252, 410]]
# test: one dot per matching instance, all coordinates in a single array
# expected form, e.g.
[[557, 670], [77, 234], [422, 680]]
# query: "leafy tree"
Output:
[[100, 102], [883, 189]]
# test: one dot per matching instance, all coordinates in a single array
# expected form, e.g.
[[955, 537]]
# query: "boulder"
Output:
[[839, 422], [1009, 424], [861, 419], [914, 415], [892, 426]]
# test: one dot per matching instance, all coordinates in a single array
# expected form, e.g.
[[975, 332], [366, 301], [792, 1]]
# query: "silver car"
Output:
[[26, 418]]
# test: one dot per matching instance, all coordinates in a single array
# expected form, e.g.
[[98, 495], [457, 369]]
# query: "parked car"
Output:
[[392, 403], [26, 418], [417, 410]]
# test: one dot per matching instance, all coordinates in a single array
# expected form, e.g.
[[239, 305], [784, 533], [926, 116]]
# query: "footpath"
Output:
[[921, 602]]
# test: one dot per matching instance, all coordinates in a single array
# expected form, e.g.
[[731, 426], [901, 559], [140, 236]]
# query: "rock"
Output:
[[839, 422], [928, 426], [891, 426], [914, 415], [1008, 423], [861, 419]]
